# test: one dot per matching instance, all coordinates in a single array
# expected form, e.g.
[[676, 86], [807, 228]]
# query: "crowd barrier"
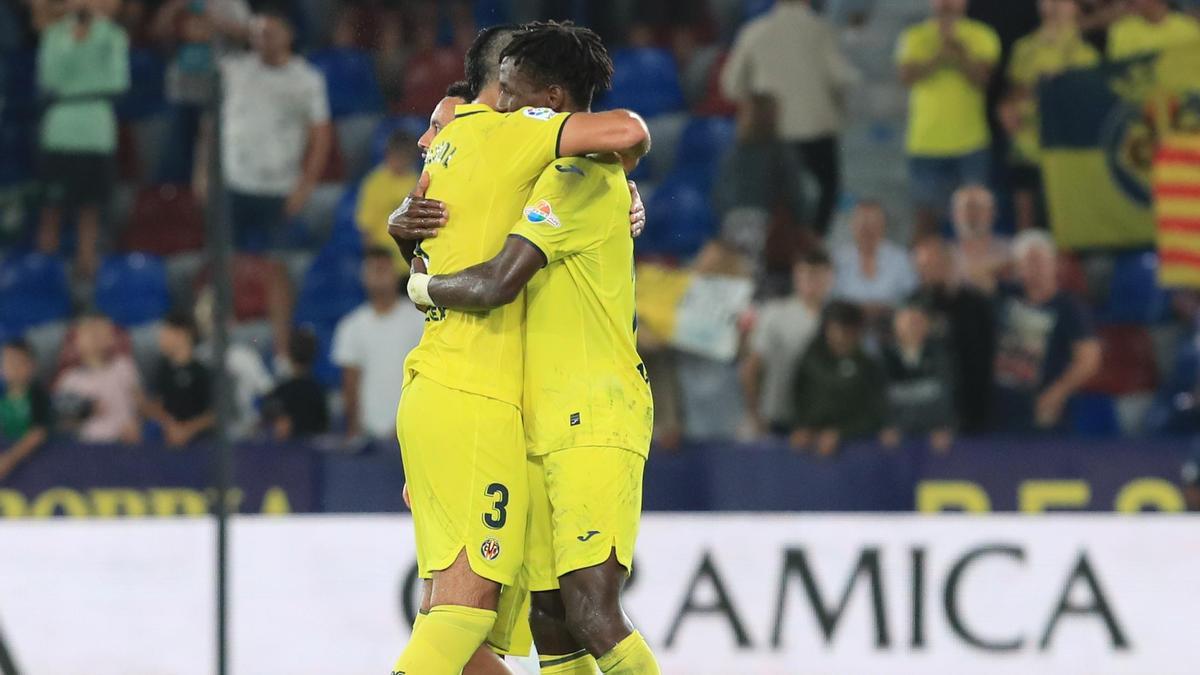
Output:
[[987, 475]]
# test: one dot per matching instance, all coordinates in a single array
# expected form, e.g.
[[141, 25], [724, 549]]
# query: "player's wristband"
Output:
[[418, 289]]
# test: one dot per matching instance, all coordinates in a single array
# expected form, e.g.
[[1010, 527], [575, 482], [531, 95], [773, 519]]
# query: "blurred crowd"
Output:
[[784, 291]]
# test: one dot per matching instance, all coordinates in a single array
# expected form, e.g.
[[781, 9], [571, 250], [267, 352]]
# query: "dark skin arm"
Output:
[[489, 284]]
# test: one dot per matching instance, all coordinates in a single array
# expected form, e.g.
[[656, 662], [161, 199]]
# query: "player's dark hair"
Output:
[[182, 321], [483, 57], [302, 347], [20, 344], [461, 90], [570, 56], [377, 252]]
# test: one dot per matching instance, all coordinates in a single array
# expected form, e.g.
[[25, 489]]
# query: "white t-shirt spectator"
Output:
[[781, 334], [268, 113], [113, 390], [894, 278], [251, 382], [377, 345]]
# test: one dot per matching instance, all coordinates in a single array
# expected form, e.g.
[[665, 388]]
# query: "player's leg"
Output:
[[559, 653], [596, 499], [485, 661], [465, 466]]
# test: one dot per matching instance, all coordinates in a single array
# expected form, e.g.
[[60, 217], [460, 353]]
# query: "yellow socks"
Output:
[[444, 640], [579, 663], [631, 656]]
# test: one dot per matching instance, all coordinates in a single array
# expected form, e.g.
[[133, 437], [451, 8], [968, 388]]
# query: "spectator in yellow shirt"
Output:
[[1151, 27], [1055, 46], [946, 62], [382, 190]]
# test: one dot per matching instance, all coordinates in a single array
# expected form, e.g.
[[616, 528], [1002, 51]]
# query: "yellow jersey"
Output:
[[1133, 35], [380, 192], [947, 113], [482, 166], [585, 384]]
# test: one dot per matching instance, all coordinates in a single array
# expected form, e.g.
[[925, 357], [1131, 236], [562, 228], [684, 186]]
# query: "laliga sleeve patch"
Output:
[[542, 213], [542, 114]]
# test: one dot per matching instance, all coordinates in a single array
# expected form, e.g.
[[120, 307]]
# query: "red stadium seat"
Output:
[[335, 167], [714, 102], [251, 281], [1129, 365], [166, 220], [1071, 276]]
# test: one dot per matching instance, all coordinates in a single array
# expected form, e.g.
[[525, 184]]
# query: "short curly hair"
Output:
[[570, 56]]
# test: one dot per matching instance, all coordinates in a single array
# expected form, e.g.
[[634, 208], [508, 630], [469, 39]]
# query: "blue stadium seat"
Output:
[[413, 125], [146, 96], [331, 288], [491, 13], [682, 217], [345, 236], [349, 80], [132, 289], [704, 144], [1094, 415], [324, 369], [646, 80], [19, 86], [33, 290], [1135, 296]]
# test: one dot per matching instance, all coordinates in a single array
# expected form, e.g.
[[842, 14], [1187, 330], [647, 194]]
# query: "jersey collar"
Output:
[[470, 109]]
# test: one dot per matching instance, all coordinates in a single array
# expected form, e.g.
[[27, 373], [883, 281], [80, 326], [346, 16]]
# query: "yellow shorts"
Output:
[[464, 460], [510, 634], [583, 503]]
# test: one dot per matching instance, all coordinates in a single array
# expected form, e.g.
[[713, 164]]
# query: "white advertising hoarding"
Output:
[[715, 594]]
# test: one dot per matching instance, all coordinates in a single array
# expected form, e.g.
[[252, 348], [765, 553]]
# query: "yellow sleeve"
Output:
[[568, 211], [1118, 36], [1020, 68], [909, 48], [530, 138], [984, 44]]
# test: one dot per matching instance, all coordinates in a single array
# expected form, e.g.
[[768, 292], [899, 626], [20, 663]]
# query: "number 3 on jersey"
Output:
[[496, 518]]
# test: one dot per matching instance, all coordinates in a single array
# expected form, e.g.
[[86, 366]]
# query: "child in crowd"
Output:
[[180, 399], [106, 382], [839, 387], [298, 407], [24, 407], [920, 391]]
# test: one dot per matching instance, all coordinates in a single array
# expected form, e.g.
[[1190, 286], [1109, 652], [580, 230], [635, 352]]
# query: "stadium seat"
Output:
[[335, 165], [132, 289], [666, 131], [1094, 415], [147, 74], [166, 220], [324, 369], [682, 216], [704, 143], [1071, 275], [355, 136], [1135, 296], [349, 80], [646, 80], [713, 101], [1129, 363], [345, 235], [33, 291], [251, 282], [331, 288]]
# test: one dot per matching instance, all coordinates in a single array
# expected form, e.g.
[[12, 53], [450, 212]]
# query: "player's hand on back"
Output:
[[637, 212], [417, 218]]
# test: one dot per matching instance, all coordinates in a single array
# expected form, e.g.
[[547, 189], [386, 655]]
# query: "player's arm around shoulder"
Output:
[[619, 131]]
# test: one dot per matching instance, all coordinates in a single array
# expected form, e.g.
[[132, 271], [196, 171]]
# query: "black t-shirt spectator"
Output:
[[965, 320], [20, 414], [302, 400], [920, 389], [842, 393], [1033, 349], [185, 391]]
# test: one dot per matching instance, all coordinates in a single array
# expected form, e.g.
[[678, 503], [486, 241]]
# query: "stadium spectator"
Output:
[[180, 399], [946, 61], [792, 55], [1152, 26], [377, 197], [1047, 348], [244, 365], [370, 345], [25, 415], [920, 382], [430, 68], [276, 134], [872, 271], [298, 407], [106, 382], [782, 332], [963, 319], [1055, 46], [197, 33], [840, 389], [82, 66], [980, 256]]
